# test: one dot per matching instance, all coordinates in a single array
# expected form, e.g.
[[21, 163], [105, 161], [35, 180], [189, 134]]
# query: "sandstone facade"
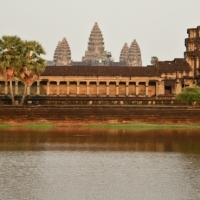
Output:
[[192, 53], [108, 81], [164, 80]]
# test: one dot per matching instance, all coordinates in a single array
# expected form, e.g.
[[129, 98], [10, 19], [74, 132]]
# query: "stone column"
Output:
[[6, 87], [97, 88], [77, 88], [38, 87], [107, 89], [127, 89], [136, 88], [16, 88], [157, 88], [160, 87], [117, 89], [28, 90], [178, 87], [48, 83], [195, 66], [58, 88], [88, 88], [67, 88], [147, 89]]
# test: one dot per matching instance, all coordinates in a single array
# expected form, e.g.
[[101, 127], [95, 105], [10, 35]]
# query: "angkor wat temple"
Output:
[[96, 54], [98, 76]]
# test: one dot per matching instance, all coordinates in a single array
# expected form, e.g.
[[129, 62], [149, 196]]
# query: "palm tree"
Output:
[[32, 64], [10, 53]]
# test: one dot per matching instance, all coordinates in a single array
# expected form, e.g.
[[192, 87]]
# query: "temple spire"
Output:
[[62, 55], [95, 45], [55, 58], [134, 57], [124, 53]]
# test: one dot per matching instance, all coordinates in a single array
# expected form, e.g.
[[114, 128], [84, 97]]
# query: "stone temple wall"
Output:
[[83, 89], [112, 114]]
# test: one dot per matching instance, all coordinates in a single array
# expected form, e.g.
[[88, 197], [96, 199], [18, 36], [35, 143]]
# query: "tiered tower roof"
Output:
[[62, 55], [95, 45], [124, 53], [134, 58], [96, 40], [56, 53]]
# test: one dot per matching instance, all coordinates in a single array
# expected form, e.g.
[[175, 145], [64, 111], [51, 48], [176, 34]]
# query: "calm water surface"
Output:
[[99, 164]]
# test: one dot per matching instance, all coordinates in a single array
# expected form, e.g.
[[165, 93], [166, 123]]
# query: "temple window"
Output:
[[190, 47], [192, 34], [168, 90], [186, 73]]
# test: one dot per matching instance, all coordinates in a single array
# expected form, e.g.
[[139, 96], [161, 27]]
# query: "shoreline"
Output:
[[117, 117], [93, 125]]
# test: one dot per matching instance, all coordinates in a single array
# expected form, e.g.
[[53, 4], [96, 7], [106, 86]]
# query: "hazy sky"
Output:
[[159, 26]]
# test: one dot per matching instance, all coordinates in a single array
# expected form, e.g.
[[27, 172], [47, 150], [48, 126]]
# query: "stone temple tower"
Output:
[[62, 55], [134, 57], [56, 53], [124, 54], [95, 51]]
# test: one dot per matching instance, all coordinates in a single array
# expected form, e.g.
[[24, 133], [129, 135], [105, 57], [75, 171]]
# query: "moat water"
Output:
[[86, 164]]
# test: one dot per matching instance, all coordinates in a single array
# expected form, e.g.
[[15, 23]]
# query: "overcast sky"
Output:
[[159, 26]]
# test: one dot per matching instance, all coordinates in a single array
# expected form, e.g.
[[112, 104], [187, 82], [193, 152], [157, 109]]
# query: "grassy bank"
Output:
[[5, 125], [119, 126], [34, 125], [142, 126], [39, 125]]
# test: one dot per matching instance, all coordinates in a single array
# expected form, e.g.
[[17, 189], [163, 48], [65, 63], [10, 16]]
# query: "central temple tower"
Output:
[[95, 54]]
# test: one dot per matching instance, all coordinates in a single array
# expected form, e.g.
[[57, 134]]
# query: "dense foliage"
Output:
[[189, 94], [22, 59], [154, 60]]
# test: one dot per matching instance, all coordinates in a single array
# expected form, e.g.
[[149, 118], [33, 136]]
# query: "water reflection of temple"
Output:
[[101, 140]]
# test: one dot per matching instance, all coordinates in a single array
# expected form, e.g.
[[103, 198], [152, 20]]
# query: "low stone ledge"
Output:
[[100, 114]]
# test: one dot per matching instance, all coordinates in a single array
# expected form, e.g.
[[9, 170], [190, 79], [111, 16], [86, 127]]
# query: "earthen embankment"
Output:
[[72, 115]]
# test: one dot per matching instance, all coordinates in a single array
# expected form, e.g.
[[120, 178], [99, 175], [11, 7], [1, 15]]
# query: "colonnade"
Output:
[[107, 83], [130, 88]]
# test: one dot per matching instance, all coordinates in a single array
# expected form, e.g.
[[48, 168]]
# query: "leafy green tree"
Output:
[[21, 59], [32, 64], [154, 60], [189, 95], [10, 53]]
